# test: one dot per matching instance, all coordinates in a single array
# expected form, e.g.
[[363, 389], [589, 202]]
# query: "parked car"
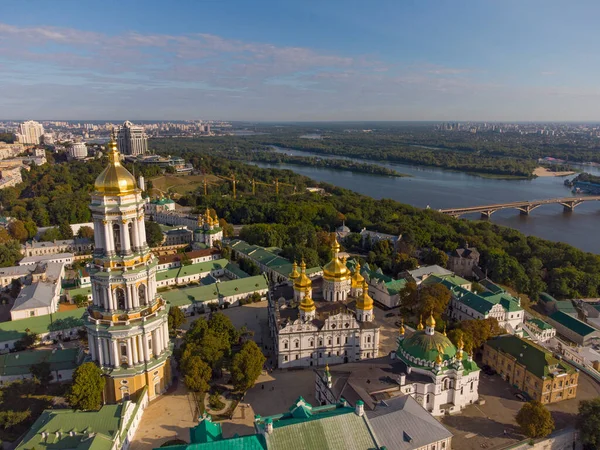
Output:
[[520, 397], [391, 314], [488, 370]]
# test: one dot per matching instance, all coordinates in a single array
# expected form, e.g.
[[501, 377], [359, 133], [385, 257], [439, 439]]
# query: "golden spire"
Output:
[[459, 353], [336, 269], [444, 333], [335, 245], [439, 359], [430, 320], [401, 331], [327, 368], [207, 217], [302, 283], [365, 302], [357, 278], [307, 304], [294, 273], [420, 326]]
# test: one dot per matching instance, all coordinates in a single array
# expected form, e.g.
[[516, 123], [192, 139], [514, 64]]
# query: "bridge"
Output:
[[525, 207]]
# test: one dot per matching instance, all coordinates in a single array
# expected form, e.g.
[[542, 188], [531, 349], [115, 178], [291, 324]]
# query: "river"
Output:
[[440, 189]]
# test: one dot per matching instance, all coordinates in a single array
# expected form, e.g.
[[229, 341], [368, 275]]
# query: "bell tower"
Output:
[[127, 325]]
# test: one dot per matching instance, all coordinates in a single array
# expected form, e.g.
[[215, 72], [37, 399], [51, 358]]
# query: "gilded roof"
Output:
[[115, 179], [336, 269]]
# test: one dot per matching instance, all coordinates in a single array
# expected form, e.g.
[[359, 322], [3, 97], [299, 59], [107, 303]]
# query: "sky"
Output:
[[309, 60]]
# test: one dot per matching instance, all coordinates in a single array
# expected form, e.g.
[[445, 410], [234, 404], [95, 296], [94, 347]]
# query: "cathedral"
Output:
[[208, 230], [331, 324], [127, 326]]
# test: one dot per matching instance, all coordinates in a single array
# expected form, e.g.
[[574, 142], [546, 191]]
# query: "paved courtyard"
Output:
[[492, 425], [168, 417]]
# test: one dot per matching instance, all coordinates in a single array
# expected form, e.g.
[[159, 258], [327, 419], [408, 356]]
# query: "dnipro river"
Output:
[[442, 189]]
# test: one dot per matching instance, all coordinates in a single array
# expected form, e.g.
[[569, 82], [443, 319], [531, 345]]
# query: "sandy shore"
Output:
[[543, 172]]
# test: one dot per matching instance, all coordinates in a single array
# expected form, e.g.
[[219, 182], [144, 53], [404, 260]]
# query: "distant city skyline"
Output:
[[306, 61]]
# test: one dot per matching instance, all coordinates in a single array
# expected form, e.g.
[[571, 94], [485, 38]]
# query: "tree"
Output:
[[436, 256], [409, 299], [588, 423], [434, 298], [86, 232], [87, 388], [213, 348], [51, 235], [154, 235], [42, 372], [15, 287], [65, 230], [26, 342], [176, 318], [80, 300], [197, 374], [10, 253], [4, 236], [535, 420], [221, 325], [17, 230], [246, 366]]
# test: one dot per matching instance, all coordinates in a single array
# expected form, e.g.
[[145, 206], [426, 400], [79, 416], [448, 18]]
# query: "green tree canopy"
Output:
[[246, 366], [86, 391], [86, 232], [154, 235], [197, 374], [588, 423], [535, 420], [42, 372], [176, 318], [17, 230]]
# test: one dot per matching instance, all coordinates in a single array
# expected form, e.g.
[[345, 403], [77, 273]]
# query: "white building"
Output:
[[65, 258], [158, 205], [538, 330], [127, 326], [78, 150], [31, 132], [132, 139], [208, 230], [40, 297], [77, 246], [315, 333]]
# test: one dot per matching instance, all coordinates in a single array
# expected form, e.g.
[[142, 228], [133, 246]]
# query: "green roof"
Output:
[[252, 442], [484, 302], [162, 201], [573, 324], [79, 291], [169, 274], [15, 329], [202, 267], [424, 346], [242, 285], [20, 363], [392, 285], [333, 427], [547, 298], [536, 359], [235, 269], [565, 306], [540, 323], [104, 424], [187, 296]]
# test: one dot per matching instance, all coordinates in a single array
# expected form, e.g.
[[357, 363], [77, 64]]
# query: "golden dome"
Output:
[[401, 330], [420, 326], [302, 283], [365, 302], [307, 304], [294, 273], [357, 278], [115, 179], [430, 321], [439, 360], [335, 270]]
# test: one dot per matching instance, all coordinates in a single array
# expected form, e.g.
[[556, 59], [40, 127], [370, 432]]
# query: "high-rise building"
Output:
[[31, 132], [132, 139], [127, 326], [78, 150]]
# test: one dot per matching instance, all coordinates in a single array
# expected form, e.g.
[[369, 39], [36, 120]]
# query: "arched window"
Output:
[[296, 344], [368, 338], [285, 345], [446, 384], [120, 296], [142, 294], [117, 237]]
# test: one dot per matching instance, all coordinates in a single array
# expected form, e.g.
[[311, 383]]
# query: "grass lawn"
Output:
[[182, 184]]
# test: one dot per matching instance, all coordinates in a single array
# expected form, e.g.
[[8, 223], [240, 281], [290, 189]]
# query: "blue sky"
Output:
[[301, 60]]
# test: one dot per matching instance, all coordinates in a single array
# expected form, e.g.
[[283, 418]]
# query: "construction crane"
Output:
[[233, 182], [277, 183], [254, 183]]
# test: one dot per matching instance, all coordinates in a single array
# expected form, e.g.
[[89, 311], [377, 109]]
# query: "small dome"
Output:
[[425, 346], [115, 179], [307, 304], [430, 321], [357, 278], [302, 282], [294, 273], [365, 302], [335, 270], [343, 229]]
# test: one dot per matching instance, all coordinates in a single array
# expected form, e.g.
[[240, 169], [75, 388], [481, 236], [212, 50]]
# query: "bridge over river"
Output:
[[525, 207]]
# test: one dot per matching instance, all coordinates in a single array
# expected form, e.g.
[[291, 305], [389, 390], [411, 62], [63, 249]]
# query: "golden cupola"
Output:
[[335, 270], [115, 179], [365, 302], [302, 283], [294, 273], [430, 321], [357, 278], [307, 304], [420, 325]]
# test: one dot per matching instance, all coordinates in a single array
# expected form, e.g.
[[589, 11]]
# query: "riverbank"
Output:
[[544, 172]]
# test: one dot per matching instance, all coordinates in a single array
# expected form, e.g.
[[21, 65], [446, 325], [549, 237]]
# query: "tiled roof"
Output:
[[573, 324], [540, 323], [536, 359], [36, 295]]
